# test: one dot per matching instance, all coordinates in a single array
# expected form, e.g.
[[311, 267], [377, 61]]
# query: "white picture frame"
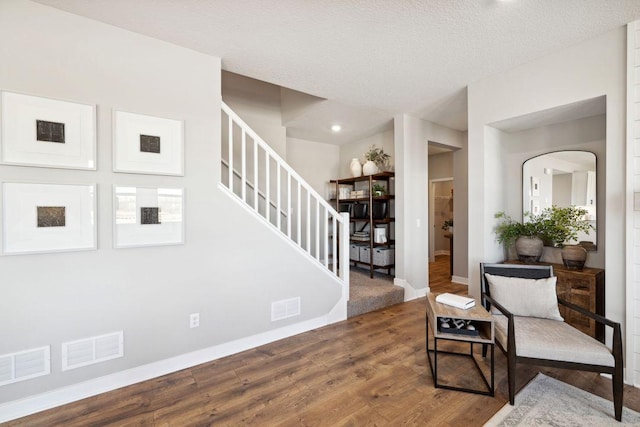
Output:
[[535, 186], [535, 206], [147, 145], [147, 216], [40, 218], [45, 132]]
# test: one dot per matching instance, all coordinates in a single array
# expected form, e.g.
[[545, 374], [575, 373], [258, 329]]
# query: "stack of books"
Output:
[[362, 236], [457, 301], [359, 194]]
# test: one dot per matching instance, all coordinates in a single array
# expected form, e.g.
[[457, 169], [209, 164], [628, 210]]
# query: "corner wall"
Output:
[[411, 138], [231, 266], [591, 69]]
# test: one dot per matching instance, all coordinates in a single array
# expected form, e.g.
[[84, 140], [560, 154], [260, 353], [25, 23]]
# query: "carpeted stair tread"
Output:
[[368, 294]]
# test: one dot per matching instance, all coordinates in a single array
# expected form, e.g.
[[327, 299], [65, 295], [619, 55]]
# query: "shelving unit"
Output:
[[368, 212]]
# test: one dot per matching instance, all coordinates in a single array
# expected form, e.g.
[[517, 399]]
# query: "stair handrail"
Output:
[[341, 220]]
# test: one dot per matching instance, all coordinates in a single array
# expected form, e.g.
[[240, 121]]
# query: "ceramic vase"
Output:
[[369, 168], [355, 167], [574, 256], [529, 249]]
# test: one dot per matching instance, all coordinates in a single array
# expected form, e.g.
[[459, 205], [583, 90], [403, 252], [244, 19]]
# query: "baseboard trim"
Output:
[[441, 252], [460, 280], [410, 293], [58, 397]]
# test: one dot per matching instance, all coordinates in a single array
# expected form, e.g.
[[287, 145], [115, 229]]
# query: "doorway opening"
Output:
[[440, 213]]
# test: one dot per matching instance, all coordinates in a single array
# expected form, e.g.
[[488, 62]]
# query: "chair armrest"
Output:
[[617, 332], [511, 329], [598, 318]]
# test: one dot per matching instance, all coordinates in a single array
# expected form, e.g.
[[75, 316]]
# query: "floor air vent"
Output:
[[24, 365], [285, 308], [92, 350]]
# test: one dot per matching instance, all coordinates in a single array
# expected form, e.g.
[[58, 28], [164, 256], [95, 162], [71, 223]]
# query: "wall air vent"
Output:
[[24, 365], [285, 308], [92, 350]]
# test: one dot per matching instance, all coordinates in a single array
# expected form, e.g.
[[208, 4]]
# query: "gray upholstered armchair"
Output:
[[529, 328]]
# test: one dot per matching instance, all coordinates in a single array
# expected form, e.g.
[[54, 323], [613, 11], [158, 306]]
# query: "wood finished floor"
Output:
[[370, 370]]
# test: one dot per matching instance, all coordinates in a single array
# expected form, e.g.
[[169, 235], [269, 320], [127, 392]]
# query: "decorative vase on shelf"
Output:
[[369, 168], [529, 249], [355, 167], [574, 256]]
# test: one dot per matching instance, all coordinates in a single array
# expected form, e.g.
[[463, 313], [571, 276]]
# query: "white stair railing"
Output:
[[257, 176]]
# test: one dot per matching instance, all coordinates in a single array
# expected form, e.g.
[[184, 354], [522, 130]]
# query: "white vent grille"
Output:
[[24, 365], [92, 350], [285, 308]]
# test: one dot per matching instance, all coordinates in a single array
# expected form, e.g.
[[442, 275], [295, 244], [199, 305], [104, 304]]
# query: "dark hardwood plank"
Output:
[[370, 370]]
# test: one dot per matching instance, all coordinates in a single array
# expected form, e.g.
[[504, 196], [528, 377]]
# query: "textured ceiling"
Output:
[[369, 58]]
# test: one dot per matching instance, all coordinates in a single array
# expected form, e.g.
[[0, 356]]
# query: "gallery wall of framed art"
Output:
[[40, 217]]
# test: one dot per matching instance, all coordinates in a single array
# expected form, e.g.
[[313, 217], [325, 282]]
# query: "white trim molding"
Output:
[[62, 396]]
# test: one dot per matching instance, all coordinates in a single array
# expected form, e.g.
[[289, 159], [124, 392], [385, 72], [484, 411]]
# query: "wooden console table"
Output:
[[584, 288]]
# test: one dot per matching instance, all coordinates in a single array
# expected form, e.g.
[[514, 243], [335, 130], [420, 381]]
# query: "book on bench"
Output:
[[457, 301]]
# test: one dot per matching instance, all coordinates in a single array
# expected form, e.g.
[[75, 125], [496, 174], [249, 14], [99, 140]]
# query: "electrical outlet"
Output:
[[194, 320]]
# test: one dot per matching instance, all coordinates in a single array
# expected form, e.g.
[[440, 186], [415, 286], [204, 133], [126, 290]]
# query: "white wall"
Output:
[[441, 165], [412, 219], [633, 200], [460, 213], [584, 71], [316, 162], [411, 137], [357, 149], [230, 268], [258, 104]]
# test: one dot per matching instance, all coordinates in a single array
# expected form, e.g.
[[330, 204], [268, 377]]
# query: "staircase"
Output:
[[258, 178]]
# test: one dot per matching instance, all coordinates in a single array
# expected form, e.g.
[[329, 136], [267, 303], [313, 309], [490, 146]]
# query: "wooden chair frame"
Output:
[[539, 272]]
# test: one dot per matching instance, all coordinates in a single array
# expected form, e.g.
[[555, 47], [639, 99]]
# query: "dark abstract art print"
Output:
[[149, 144], [51, 216], [50, 131], [149, 216]]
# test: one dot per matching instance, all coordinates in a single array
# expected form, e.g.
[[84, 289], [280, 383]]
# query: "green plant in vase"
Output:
[[560, 226], [378, 190], [375, 160], [524, 235]]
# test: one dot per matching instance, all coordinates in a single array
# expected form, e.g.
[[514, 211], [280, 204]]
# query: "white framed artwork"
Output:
[[46, 132], [535, 206], [147, 144], [535, 186], [48, 217], [147, 216]]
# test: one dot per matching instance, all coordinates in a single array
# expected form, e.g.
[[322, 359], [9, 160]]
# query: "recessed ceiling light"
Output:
[[336, 128]]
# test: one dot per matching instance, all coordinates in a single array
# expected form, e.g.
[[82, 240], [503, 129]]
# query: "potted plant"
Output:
[[448, 225], [376, 160], [560, 226], [378, 190], [525, 236]]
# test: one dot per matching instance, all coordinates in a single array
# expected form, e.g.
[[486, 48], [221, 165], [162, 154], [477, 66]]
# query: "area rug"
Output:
[[546, 401]]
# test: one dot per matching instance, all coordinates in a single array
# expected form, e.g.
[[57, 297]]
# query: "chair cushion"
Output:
[[525, 297], [553, 340]]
